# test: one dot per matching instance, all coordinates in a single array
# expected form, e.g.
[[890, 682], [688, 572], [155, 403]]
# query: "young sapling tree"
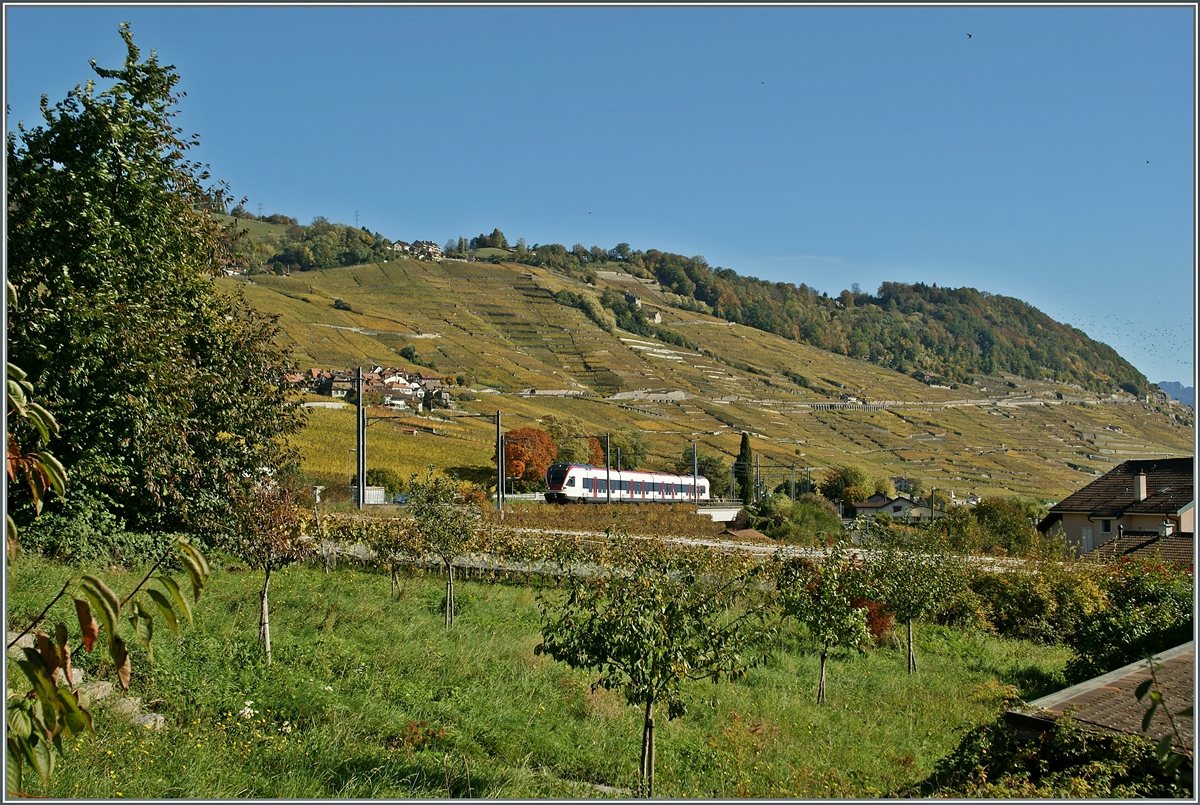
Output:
[[652, 616], [442, 524], [821, 595], [266, 531]]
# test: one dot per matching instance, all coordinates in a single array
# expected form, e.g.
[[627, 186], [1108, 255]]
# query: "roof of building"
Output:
[[1177, 547], [748, 533], [1108, 703], [1168, 490]]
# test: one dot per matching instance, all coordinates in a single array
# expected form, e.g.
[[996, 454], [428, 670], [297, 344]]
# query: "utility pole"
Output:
[[793, 482], [757, 479], [695, 473], [362, 441], [356, 218], [607, 471], [618, 459], [499, 467]]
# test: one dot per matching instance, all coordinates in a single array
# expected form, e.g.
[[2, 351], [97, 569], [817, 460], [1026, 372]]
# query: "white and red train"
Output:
[[583, 483]]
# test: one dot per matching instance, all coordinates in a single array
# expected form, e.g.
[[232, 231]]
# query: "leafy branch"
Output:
[[1170, 762]]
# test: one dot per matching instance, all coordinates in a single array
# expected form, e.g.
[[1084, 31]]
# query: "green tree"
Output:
[[744, 470], [656, 616], [570, 437], [822, 594], [848, 484], [1005, 525], [632, 447], [265, 529], [165, 388], [442, 525], [710, 466], [913, 577]]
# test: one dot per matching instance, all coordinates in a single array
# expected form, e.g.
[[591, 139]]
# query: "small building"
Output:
[[1141, 495], [896, 507], [375, 495]]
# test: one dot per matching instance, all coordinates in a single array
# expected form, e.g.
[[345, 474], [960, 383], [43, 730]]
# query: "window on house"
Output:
[[1106, 526]]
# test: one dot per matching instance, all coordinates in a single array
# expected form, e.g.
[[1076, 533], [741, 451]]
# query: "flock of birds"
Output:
[[1142, 342]]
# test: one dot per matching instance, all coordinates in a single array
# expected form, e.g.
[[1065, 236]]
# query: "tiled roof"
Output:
[[1168, 489], [1177, 547], [1108, 703]]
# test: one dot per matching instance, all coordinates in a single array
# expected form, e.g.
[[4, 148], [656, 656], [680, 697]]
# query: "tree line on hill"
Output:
[[937, 335]]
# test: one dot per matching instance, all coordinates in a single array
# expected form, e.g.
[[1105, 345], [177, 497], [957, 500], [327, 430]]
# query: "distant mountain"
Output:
[[1178, 391]]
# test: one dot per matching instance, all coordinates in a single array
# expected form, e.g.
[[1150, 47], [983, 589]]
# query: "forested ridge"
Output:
[[938, 335]]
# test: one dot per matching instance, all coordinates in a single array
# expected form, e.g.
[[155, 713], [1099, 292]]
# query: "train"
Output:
[[583, 483]]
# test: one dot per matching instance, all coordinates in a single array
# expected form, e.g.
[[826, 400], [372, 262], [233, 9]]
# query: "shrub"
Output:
[[1044, 602], [804, 522], [1151, 610], [84, 531], [993, 761]]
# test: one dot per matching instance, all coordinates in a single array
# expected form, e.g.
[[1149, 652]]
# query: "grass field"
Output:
[[371, 697]]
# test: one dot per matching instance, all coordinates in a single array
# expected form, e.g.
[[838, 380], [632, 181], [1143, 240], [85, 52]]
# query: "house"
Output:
[[427, 250], [1140, 495], [896, 507]]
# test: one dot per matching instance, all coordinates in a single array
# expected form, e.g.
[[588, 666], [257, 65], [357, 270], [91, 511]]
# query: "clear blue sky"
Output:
[[1049, 156]]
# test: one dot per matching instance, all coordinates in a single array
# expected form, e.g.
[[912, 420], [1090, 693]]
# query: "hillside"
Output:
[[940, 335], [503, 327]]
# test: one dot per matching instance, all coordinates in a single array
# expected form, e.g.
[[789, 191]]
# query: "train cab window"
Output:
[[570, 482]]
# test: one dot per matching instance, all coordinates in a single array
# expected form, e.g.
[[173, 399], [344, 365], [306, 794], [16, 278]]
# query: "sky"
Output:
[[1044, 153]]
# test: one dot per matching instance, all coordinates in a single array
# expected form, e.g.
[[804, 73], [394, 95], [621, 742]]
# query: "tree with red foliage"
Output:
[[528, 452], [595, 452]]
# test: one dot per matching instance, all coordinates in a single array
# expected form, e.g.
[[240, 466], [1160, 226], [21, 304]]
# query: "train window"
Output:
[[704, 490], [602, 484], [570, 482], [587, 483]]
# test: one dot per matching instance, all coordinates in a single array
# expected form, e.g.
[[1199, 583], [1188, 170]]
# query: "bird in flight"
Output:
[[968, 36]]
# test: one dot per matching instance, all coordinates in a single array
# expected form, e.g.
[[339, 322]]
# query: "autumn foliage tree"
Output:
[[528, 452]]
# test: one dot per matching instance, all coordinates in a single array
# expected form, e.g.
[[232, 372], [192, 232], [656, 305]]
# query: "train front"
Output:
[[556, 477]]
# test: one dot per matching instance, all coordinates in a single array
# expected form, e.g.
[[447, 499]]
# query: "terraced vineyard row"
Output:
[[501, 326]]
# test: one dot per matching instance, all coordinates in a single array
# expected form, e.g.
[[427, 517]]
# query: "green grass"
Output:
[[354, 669]]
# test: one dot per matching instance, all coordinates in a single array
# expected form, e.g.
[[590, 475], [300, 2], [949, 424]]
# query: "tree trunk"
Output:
[[821, 684], [264, 619], [646, 769], [449, 595], [912, 655]]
